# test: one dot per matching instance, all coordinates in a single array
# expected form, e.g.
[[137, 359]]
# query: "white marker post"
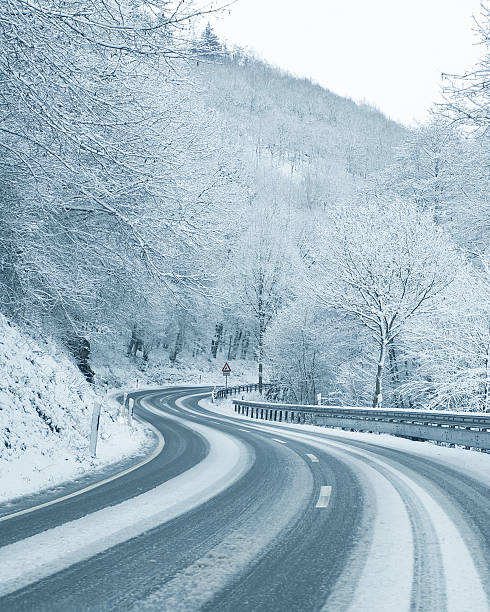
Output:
[[123, 405], [130, 411], [319, 399], [94, 433]]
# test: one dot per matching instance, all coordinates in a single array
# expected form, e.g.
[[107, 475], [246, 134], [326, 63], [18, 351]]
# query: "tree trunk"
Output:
[[486, 384], [235, 344], [245, 345], [134, 342], [179, 343], [395, 375], [260, 351], [216, 341], [378, 396]]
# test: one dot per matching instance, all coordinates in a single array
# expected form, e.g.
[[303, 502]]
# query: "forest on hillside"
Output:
[[164, 195]]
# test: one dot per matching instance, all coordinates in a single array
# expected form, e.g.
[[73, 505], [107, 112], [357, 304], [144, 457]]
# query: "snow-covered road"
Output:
[[236, 514]]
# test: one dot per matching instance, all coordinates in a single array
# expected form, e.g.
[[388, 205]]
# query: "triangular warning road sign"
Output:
[[226, 368]]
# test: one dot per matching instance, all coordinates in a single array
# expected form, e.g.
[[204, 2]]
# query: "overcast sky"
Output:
[[389, 53]]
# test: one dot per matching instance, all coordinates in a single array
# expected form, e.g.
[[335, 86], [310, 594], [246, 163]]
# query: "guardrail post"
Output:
[[452, 429]]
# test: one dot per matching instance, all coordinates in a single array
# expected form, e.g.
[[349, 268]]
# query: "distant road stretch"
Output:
[[240, 515]]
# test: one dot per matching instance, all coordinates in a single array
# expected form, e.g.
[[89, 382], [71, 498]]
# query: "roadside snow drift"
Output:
[[45, 412]]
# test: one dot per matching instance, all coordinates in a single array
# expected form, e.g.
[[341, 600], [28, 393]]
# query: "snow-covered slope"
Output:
[[45, 413]]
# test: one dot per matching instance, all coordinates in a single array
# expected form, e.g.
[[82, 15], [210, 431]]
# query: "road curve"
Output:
[[298, 520]]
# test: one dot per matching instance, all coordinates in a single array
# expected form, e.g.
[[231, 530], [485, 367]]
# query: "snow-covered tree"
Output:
[[467, 96], [451, 350], [382, 264], [210, 45], [442, 171], [260, 280]]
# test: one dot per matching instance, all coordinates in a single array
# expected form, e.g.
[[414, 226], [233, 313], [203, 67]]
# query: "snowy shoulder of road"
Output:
[[45, 417], [46, 553], [473, 463]]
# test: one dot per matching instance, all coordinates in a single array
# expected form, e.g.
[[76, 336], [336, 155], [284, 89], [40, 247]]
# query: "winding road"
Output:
[[234, 514]]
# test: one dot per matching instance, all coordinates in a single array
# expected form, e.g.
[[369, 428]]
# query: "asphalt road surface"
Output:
[[302, 520]]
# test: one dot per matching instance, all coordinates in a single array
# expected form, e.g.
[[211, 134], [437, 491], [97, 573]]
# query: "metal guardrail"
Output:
[[220, 393], [471, 430]]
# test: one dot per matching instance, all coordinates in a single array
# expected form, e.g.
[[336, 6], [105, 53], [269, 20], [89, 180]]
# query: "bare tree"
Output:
[[382, 264], [109, 171], [467, 96], [261, 274], [452, 349]]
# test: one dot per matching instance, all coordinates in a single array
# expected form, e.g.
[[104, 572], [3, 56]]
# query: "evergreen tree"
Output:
[[210, 44]]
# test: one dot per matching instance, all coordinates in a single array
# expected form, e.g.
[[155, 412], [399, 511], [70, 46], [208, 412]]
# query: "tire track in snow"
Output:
[[441, 548]]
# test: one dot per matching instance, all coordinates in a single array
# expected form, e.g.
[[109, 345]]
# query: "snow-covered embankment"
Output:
[[45, 414]]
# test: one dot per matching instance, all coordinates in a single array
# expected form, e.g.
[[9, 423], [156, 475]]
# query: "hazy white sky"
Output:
[[389, 53]]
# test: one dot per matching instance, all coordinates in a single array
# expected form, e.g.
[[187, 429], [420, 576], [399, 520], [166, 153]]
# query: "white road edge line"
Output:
[[324, 499], [281, 441], [36, 557], [312, 458], [57, 500]]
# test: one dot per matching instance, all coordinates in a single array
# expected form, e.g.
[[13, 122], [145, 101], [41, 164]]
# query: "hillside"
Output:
[[45, 414], [300, 141]]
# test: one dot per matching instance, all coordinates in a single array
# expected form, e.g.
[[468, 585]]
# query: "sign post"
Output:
[[226, 372]]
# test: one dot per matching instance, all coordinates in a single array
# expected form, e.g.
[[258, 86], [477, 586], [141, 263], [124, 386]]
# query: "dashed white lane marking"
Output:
[[312, 458], [324, 498], [281, 441], [241, 429]]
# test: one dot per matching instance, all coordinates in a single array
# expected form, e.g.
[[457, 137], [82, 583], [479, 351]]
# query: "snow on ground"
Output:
[[51, 551], [472, 463], [45, 415], [448, 554], [119, 370]]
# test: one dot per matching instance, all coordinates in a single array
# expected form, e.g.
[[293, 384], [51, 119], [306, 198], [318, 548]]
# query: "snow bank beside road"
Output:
[[48, 552], [473, 463], [45, 414]]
